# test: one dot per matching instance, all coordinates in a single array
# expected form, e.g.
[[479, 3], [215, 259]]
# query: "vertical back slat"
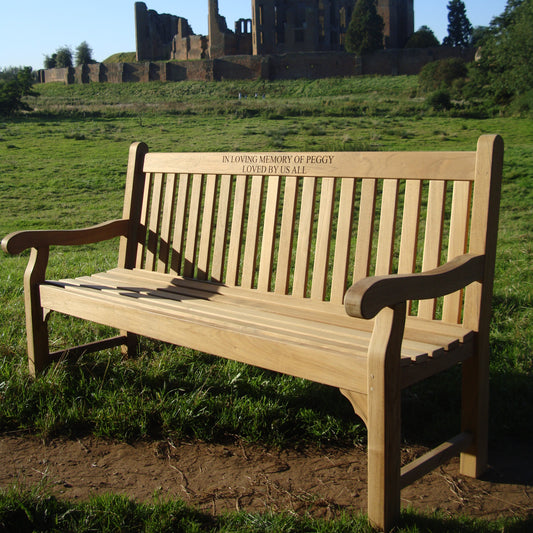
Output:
[[365, 229], [252, 232], [458, 240], [305, 230], [323, 240], [387, 227], [206, 236], [234, 253], [410, 227], [433, 239], [192, 227], [286, 237], [154, 225], [342, 241], [143, 222], [219, 249], [179, 223], [269, 234], [166, 223]]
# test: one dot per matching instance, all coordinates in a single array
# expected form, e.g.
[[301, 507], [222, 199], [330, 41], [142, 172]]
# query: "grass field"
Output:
[[63, 165]]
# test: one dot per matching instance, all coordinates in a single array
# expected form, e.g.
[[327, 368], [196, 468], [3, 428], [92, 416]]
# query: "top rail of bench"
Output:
[[455, 166]]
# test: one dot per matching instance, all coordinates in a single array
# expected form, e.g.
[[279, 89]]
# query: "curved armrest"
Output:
[[16, 242], [365, 298]]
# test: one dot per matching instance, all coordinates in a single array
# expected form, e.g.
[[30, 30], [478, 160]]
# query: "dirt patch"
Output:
[[216, 477]]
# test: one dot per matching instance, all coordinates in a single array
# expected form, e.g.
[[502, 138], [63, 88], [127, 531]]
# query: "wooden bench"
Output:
[[303, 263]]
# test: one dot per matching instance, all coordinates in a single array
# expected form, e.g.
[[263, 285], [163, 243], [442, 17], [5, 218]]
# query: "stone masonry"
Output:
[[276, 27]]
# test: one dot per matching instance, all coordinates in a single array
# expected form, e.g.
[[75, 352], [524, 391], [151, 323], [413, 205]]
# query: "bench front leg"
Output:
[[36, 329], [384, 417]]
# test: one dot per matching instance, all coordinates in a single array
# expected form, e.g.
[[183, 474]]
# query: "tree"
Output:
[[50, 61], [422, 38], [365, 31], [13, 88], [84, 54], [63, 57], [478, 35], [459, 27], [504, 70]]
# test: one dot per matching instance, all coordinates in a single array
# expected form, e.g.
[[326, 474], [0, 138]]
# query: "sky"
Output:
[[31, 29]]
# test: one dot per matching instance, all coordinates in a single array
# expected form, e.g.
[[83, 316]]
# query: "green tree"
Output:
[[478, 35], [63, 57], [365, 31], [84, 54], [14, 86], [504, 70], [50, 61], [422, 38], [459, 27]]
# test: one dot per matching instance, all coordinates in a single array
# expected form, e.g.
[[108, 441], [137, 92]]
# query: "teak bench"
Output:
[[303, 263]]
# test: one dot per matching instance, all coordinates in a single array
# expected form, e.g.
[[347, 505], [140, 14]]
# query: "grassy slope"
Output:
[[63, 166]]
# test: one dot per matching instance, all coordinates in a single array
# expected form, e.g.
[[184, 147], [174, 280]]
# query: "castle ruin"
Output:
[[276, 27]]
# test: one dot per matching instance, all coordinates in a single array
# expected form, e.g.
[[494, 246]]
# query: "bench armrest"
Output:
[[17, 242], [365, 298]]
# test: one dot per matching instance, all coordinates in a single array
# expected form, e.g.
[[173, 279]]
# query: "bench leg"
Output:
[[384, 418], [475, 411], [36, 329], [130, 348]]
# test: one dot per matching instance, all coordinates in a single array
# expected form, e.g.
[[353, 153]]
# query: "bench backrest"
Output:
[[310, 224]]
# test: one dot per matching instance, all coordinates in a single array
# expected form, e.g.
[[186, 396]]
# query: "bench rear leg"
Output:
[[475, 411], [129, 349]]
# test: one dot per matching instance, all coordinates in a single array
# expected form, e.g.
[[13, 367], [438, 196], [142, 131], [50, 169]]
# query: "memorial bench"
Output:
[[303, 263]]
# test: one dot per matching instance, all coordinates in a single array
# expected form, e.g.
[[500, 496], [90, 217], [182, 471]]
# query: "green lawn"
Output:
[[64, 166]]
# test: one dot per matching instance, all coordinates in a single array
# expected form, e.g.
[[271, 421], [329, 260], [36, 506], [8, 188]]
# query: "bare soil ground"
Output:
[[220, 477]]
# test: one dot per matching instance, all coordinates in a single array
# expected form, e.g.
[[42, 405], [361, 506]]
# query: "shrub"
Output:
[[422, 38], [442, 74], [13, 89], [440, 100]]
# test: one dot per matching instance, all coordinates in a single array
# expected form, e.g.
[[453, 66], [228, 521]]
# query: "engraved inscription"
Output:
[[273, 164]]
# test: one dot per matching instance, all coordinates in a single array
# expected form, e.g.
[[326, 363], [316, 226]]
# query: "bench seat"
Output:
[[304, 338]]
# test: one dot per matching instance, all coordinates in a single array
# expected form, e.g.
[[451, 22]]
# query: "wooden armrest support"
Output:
[[365, 298], [17, 242]]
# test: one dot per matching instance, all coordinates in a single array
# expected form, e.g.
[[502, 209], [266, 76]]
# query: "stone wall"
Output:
[[409, 60], [271, 67]]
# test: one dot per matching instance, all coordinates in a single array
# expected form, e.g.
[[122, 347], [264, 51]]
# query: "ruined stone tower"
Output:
[[281, 26], [399, 19], [277, 27]]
